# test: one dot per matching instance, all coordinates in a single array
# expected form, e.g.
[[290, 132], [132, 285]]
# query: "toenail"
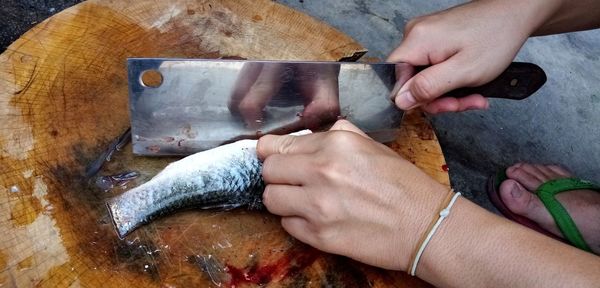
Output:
[[516, 191]]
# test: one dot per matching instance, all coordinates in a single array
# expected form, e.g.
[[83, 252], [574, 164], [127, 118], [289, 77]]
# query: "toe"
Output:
[[526, 176], [560, 170], [521, 201], [547, 172], [515, 196]]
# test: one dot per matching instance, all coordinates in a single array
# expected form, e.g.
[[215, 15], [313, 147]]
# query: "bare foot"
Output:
[[582, 205]]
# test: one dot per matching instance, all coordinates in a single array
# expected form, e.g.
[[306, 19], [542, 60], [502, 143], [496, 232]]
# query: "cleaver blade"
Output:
[[183, 106]]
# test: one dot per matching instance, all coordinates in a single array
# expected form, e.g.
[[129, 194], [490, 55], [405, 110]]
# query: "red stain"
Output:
[[286, 266], [445, 168]]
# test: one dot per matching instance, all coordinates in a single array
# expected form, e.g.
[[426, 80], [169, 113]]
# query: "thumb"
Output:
[[432, 83]]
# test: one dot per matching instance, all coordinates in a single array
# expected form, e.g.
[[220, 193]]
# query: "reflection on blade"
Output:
[[201, 104]]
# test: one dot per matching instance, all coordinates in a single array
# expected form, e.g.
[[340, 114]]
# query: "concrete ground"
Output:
[[560, 124]]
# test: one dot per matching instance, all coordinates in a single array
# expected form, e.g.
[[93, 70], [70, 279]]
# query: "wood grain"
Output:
[[63, 99]]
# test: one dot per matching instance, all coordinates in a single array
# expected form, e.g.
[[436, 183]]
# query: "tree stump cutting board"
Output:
[[63, 100]]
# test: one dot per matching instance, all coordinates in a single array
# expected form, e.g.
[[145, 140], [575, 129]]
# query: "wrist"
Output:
[[450, 248], [531, 14], [427, 214], [522, 18]]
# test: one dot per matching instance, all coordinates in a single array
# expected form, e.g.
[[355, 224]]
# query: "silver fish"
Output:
[[225, 177]]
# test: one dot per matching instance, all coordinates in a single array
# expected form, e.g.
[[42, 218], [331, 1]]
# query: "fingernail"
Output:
[[395, 91], [516, 191], [406, 100]]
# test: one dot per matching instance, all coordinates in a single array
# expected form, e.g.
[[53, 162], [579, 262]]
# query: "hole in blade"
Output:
[[151, 78]]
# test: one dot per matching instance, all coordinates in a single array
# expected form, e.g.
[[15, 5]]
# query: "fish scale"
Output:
[[225, 177]]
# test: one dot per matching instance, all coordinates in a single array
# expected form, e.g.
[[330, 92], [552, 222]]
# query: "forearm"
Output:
[[544, 17], [475, 248], [572, 16]]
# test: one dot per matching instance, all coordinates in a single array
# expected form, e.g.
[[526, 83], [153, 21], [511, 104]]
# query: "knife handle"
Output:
[[519, 81]]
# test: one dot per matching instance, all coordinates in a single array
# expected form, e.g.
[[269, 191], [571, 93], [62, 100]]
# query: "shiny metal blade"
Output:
[[181, 106]]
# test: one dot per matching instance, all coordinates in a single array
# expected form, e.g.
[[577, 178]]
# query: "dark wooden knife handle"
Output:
[[519, 81]]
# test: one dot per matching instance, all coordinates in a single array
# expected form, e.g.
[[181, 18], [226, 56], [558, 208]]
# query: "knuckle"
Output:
[[267, 167], [323, 208], [267, 197], [423, 88], [263, 146], [323, 238], [417, 27], [249, 106], [327, 169], [340, 138], [410, 25], [285, 143]]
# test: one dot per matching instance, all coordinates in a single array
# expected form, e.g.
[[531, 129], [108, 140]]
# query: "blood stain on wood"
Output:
[[287, 266], [425, 132]]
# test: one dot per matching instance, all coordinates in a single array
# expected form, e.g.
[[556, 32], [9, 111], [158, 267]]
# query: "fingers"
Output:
[[450, 104], [264, 88], [287, 144], [245, 80], [285, 200], [321, 92], [404, 72], [291, 169], [432, 83], [305, 144], [299, 228], [257, 84]]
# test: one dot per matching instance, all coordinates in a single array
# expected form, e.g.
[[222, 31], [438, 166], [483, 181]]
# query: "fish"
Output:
[[226, 177]]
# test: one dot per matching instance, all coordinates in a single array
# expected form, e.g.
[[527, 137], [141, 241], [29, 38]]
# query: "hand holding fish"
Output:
[[259, 83], [339, 190]]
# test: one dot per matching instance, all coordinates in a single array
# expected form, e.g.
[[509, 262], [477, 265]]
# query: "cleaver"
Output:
[[183, 106]]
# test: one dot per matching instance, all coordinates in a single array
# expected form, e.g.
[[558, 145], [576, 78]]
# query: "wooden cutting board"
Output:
[[63, 99]]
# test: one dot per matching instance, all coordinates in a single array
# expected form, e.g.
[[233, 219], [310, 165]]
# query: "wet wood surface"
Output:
[[63, 100]]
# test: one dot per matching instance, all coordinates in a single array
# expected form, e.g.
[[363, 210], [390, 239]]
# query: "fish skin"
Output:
[[225, 177]]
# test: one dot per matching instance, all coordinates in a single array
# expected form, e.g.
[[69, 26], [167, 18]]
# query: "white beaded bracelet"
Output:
[[443, 214]]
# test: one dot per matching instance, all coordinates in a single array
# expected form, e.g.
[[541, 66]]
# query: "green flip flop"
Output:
[[547, 192]]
